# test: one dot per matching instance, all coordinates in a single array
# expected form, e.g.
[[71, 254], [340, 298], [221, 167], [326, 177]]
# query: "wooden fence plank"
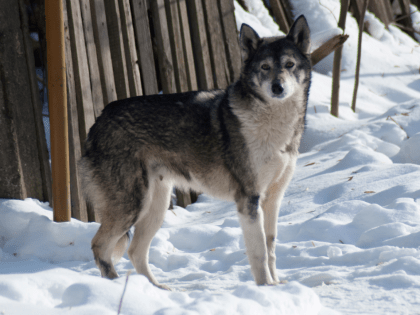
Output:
[[406, 21], [95, 80], [144, 46], [380, 8], [117, 48], [133, 71], [280, 15], [220, 68], [37, 108], [176, 45], [81, 69], [186, 42], [164, 52], [104, 53], [230, 33], [20, 172], [78, 205], [200, 45]]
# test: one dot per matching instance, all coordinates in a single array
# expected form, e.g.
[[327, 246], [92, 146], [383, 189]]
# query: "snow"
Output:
[[349, 225]]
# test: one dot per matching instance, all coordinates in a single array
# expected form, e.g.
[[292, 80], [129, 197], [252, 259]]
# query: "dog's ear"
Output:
[[249, 41], [300, 35]]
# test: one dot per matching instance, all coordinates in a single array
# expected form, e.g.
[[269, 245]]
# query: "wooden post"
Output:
[[359, 53], [58, 110], [337, 62]]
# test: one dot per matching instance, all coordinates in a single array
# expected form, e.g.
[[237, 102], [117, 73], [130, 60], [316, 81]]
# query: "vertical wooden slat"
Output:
[[57, 101], [176, 45], [20, 175], [200, 45], [406, 21], [280, 16], [335, 97], [95, 80], [379, 8], [163, 44], [104, 52], [86, 113], [117, 48], [133, 71], [78, 205], [230, 33], [144, 46], [220, 68], [186, 42], [37, 108]]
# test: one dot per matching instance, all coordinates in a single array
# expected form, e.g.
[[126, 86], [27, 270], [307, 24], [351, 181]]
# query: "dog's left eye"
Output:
[[265, 67], [289, 64]]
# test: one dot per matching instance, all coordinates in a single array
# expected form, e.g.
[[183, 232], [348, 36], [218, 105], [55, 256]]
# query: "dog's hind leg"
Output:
[[271, 207], [146, 228], [251, 220]]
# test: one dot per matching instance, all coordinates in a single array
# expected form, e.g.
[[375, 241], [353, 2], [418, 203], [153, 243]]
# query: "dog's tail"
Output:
[[121, 247]]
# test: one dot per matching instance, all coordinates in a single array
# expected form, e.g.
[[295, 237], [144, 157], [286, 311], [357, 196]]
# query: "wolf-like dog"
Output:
[[237, 144]]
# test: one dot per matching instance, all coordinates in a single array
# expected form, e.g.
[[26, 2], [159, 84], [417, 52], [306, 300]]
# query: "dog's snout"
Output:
[[277, 88]]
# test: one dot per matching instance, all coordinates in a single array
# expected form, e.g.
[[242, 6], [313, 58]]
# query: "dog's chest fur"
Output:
[[268, 132]]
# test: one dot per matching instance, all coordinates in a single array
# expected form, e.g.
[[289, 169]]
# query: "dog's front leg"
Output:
[[271, 207], [252, 222]]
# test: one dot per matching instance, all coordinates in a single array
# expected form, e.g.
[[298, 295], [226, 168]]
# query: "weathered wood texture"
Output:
[[187, 46], [280, 15], [117, 48], [133, 71], [19, 155], [230, 37], [200, 44], [406, 20], [216, 47], [335, 97], [78, 205], [103, 50], [144, 46], [95, 80], [81, 71], [327, 48], [37, 107]]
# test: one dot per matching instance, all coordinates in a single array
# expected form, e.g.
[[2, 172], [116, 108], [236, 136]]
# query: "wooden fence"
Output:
[[116, 49], [121, 48]]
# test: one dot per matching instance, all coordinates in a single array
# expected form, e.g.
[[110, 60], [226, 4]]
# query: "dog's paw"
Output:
[[163, 287]]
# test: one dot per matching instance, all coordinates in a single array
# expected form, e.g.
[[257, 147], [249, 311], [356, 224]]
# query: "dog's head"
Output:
[[276, 66]]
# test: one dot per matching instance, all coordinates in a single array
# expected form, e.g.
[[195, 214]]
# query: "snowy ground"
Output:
[[349, 225]]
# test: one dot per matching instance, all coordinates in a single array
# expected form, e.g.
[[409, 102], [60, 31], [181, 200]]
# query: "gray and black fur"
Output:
[[238, 144]]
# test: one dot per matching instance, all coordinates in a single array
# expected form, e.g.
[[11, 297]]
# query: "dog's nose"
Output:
[[277, 88]]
